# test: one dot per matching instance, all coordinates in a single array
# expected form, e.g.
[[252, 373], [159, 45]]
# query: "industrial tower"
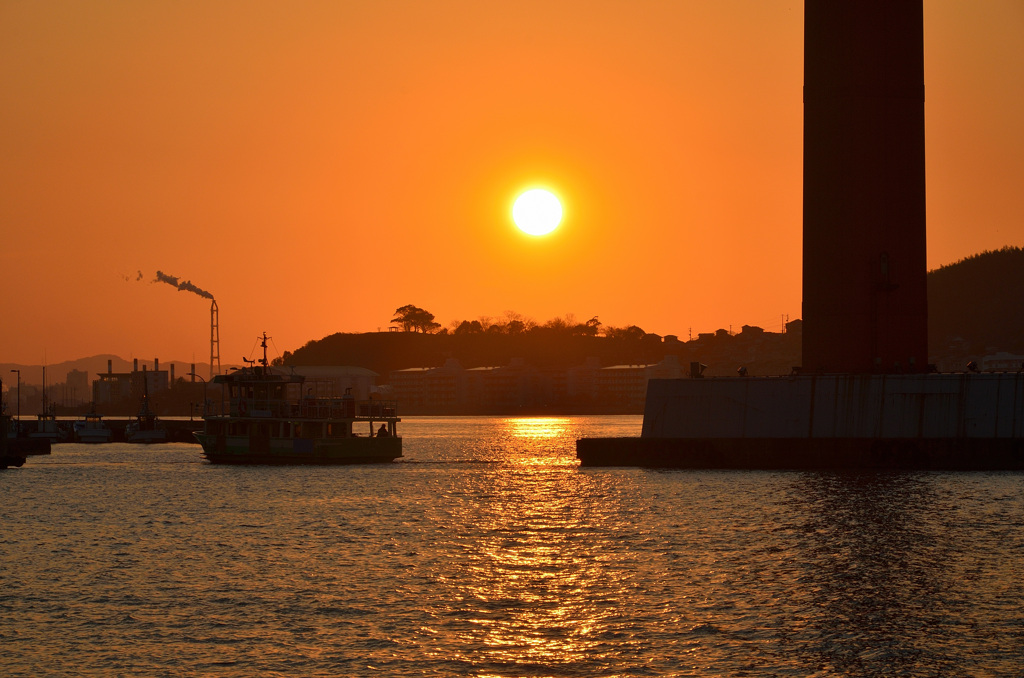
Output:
[[214, 338]]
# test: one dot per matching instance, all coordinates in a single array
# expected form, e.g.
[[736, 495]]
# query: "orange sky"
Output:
[[316, 165]]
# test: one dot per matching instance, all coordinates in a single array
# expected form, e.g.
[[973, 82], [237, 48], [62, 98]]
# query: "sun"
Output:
[[537, 212]]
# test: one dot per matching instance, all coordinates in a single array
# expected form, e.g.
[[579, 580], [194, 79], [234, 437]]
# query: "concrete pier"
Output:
[[936, 421]]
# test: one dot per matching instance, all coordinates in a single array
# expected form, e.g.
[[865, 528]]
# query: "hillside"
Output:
[[973, 311], [761, 353], [974, 305]]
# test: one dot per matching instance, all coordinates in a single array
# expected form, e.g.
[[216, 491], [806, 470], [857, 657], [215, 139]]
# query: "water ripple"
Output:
[[488, 552]]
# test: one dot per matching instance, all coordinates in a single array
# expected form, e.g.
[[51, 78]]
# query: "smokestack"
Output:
[[865, 306], [192, 372], [135, 365], [156, 364], [110, 366], [171, 380]]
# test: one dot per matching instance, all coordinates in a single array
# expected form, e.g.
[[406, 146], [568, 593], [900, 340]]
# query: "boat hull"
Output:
[[50, 438], [11, 460], [297, 451], [29, 446]]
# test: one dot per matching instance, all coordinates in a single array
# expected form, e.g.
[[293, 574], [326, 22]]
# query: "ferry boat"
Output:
[[267, 418]]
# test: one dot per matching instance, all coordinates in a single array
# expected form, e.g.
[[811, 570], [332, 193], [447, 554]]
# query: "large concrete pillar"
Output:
[[864, 261]]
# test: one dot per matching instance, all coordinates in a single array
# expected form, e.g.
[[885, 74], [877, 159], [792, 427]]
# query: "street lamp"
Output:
[[194, 375], [18, 426]]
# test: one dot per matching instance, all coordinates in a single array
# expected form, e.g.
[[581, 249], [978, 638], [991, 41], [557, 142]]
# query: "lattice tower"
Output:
[[214, 339]]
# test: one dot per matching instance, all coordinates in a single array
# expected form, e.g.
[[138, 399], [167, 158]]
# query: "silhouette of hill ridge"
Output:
[[382, 352], [974, 305], [972, 311]]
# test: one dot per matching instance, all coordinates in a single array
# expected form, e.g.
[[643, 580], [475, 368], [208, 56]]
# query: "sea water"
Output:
[[487, 551]]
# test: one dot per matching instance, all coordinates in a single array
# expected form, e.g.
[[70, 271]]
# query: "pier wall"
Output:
[[987, 406]]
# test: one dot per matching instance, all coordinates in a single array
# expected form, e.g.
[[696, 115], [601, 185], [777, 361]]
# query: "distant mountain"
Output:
[[57, 372], [975, 305]]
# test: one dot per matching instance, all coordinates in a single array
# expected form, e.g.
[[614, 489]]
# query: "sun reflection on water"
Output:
[[538, 427], [538, 441], [541, 582], [533, 572]]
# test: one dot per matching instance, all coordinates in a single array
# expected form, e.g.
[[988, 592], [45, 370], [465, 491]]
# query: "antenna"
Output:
[[264, 345]]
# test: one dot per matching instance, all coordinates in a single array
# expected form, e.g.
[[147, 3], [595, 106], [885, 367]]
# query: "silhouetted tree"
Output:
[[589, 328], [561, 324], [415, 319], [517, 323], [630, 332], [469, 327]]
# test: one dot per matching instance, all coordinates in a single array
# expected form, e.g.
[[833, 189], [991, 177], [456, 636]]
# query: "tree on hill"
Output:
[[589, 328], [415, 319], [630, 332], [569, 325], [469, 327]]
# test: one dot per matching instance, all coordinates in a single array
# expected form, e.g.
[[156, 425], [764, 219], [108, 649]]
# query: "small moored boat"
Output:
[[48, 429], [145, 428], [92, 429]]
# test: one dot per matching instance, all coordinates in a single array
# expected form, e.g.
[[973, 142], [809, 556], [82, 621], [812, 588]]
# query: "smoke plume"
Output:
[[183, 285]]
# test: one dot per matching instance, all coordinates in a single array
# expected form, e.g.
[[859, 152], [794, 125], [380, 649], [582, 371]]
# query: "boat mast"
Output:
[[263, 343]]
